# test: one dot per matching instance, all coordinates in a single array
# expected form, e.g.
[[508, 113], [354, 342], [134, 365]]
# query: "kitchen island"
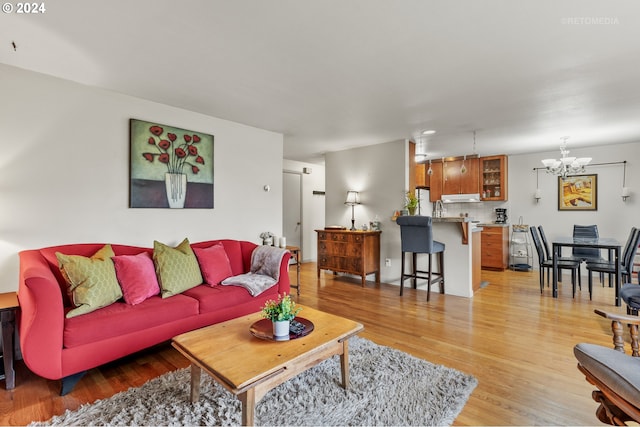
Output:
[[461, 255]]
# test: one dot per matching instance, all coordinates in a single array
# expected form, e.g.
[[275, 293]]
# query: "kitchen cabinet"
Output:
[[421, 177], [435, 181], [352, 252], [493, 178], [495, 247], [457, 182]]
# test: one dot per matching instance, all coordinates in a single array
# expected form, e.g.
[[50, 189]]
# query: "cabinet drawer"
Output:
[[339, 237], [352, 264], [495, 239]]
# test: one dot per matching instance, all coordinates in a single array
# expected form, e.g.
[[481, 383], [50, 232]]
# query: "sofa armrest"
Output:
[[284, 284], [41, 318]]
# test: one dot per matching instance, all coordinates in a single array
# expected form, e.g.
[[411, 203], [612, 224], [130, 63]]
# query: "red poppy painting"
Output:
[[170, 167]]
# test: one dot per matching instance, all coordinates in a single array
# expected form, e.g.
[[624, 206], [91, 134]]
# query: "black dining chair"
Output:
[[586, 254], [630, 294], [545, 263], [549, 254], [416, 237], [625, 263]]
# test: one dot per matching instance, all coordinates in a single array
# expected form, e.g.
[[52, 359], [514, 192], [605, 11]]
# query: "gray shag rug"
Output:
[[388, 387]]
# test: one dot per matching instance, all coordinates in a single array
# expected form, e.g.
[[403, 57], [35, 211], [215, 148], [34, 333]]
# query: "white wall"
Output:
[[64, 157], [379, 173], [613, 217], [312, 205]]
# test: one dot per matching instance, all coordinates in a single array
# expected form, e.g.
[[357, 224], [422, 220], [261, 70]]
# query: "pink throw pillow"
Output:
[[214, 264], [137, 277]]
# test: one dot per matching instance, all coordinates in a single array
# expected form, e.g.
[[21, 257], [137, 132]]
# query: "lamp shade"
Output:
[[353, 198]]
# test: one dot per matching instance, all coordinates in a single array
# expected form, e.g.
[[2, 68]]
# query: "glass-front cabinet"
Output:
[[493, 178]]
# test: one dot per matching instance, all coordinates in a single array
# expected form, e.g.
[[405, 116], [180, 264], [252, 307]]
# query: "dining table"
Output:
[[611, 245]]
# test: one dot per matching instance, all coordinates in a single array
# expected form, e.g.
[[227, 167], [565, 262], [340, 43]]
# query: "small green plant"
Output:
[[282, 309], [411, 201]]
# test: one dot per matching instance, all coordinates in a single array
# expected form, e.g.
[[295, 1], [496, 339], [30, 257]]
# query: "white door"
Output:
[[292, 208]]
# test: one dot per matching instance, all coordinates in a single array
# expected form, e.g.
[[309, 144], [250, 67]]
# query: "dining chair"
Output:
[[546, 263], [630, 294], [416, 236], [549, 254], [586, 254], [625, 264]]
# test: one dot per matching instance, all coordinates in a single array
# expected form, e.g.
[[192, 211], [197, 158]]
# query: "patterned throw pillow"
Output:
[[177, 268], [137, 277], [92, 281]]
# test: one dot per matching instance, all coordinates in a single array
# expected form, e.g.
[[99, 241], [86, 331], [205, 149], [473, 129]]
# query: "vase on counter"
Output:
[[412, 211]]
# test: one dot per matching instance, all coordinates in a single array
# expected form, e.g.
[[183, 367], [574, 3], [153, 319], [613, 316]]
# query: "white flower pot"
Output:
[[281, 330]]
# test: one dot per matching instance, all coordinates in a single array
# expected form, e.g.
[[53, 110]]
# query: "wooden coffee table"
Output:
[[249, 367]]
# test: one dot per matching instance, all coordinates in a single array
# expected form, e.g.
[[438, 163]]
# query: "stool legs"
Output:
[[430, 273], [402, 274]]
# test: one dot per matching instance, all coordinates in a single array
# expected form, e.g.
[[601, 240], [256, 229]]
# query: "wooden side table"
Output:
[[295, 252], [8, 307]]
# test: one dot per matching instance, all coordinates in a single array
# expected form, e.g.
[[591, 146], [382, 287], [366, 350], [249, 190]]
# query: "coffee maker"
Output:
[[501, 216]]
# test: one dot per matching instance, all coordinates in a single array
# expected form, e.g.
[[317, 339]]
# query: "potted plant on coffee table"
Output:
[[280, 312]]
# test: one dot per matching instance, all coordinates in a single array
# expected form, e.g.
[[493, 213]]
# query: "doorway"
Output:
[[292, 208]]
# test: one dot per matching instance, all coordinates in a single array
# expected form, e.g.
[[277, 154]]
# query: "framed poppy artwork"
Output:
[[578, 193], [170, 167]]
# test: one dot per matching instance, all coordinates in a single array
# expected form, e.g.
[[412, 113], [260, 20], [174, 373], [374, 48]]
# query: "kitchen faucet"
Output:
[[438, 208]]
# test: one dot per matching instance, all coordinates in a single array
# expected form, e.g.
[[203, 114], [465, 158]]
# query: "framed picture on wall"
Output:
[[170, 167], [578, 193]]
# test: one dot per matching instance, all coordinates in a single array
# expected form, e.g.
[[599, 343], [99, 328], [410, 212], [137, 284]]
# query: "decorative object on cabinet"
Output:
[[351, 252], [353, 199], [495, 247], [566, 165], [493, 178], [170, 167], [267, 238], [578, 193]]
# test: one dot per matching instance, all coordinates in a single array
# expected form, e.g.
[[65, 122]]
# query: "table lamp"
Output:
[[353, 198]]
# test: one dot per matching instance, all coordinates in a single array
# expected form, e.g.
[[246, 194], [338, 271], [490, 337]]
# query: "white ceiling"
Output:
[[336, 74]]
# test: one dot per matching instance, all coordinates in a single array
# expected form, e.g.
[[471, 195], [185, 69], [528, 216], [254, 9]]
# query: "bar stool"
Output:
[[416, 235]]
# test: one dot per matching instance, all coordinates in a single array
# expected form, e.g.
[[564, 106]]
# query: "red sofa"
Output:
[[55, 347]]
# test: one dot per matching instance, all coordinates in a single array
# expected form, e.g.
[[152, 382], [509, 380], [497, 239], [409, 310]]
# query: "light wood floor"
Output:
[[516, 342]]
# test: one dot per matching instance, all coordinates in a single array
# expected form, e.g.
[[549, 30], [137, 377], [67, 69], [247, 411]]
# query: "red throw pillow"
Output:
[[137, 277], [214, 264]]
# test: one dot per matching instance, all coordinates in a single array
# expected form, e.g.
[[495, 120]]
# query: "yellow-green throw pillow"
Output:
[[92, 281], [177, 268]]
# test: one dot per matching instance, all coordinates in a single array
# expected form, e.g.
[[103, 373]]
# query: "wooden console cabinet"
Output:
[[495, 247], [352, 252]]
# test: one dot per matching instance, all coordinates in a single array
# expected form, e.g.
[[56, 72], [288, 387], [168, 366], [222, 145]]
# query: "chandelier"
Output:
[[566, 165]]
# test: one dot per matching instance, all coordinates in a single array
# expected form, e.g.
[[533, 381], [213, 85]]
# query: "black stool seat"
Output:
[[416, 234]]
